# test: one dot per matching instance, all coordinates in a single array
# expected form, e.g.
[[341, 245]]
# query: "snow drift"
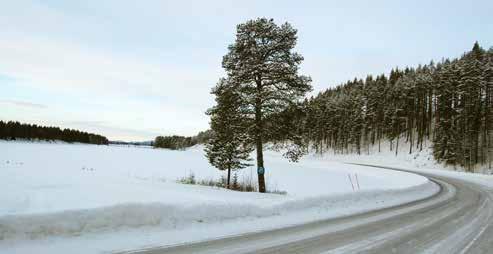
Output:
[[174, 216]]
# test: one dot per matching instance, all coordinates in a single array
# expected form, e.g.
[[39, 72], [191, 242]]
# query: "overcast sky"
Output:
[[131, 70]]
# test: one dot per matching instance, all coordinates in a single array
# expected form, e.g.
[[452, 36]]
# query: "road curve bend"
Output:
[[458, 219]]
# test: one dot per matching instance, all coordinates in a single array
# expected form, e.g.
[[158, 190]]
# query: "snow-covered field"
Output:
[[88, 198]]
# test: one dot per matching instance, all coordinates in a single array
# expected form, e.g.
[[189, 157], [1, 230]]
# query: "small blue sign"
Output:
[[260, 170]]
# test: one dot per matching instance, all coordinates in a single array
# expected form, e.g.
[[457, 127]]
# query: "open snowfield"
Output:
[[88, 198]]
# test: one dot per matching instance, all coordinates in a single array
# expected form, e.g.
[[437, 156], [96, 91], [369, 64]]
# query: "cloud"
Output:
[[25, 104], [111, 85], [70, 67]]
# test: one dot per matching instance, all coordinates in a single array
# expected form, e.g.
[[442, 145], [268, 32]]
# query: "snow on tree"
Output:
[[448, 104], [263, 69], [229, 147]]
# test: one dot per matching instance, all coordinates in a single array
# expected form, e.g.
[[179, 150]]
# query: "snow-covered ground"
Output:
[[91, 198], [418, 161]]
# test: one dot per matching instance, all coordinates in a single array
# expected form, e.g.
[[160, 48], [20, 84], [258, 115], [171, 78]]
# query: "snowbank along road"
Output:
[[459, 219]]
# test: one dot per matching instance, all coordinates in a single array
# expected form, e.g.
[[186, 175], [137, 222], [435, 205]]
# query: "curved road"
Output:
[[458, 219]]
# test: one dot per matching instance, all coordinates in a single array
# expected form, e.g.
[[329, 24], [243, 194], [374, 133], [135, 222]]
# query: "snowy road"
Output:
[[459, 219]]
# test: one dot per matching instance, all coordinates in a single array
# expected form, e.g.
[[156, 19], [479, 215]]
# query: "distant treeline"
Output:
[[136, 143], [15, 130], [181, 142]]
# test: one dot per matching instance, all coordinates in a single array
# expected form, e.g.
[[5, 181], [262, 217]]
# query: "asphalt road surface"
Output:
[[458, 219]]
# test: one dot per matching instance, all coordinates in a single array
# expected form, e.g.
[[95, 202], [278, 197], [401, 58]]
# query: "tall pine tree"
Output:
[[262, 65]]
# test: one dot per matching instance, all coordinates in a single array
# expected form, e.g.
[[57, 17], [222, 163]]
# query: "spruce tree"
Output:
[[229, 147]]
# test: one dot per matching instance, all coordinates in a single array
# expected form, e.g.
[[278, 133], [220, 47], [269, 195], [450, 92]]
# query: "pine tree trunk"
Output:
[[260, 164], [229, 178], [397, 146], [259, 141], [379, 142]]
